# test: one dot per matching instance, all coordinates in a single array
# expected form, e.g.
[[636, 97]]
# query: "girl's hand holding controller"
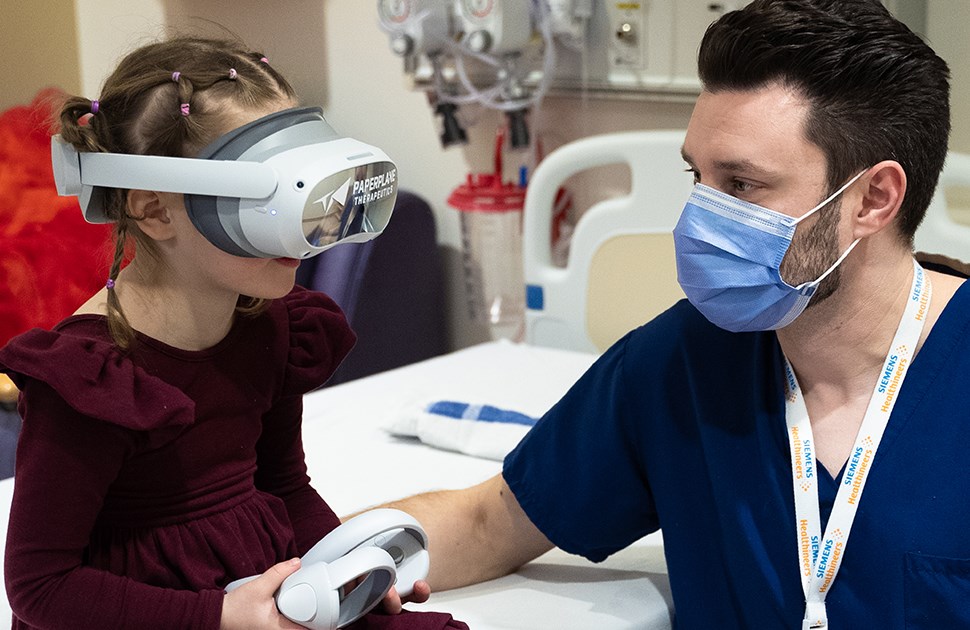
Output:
[[253, 605], [347, 573]]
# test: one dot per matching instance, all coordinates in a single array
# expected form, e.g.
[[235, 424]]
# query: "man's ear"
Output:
[[153, 212], [883, 188]]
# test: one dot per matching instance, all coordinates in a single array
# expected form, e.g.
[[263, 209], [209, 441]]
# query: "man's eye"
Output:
[[694, 173], [741, 186]]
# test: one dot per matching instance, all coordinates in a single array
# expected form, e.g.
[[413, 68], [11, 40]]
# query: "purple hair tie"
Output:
[[95, 106], [232, 74], [175, 77], [185, 109], [264, 60], [110, 283]]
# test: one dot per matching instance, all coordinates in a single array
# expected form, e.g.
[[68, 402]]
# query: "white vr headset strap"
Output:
[[74, 171]]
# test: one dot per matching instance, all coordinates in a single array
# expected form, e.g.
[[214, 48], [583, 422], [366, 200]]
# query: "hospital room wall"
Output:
[[40, 49], [337, 57]]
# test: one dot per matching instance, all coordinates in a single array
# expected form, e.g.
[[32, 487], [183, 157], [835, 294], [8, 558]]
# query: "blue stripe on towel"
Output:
[[482, 413]]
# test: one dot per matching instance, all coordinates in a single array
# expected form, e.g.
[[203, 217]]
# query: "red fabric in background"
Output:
[[51, 260]]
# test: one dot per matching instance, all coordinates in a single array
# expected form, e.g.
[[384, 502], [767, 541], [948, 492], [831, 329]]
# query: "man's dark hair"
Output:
[[877, 90]]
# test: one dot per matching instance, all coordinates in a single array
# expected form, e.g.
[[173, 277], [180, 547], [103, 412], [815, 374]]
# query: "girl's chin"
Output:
[[288, 262]]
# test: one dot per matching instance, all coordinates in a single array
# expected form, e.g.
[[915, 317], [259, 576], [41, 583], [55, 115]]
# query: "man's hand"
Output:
[[392, 601]]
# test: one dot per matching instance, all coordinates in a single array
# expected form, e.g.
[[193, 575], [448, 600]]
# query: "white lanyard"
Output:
[[819, 557]]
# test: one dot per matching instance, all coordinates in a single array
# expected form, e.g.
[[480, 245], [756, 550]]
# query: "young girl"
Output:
[[161, 454]]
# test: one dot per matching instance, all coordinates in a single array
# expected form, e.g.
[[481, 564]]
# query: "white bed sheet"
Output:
[[354, 464]]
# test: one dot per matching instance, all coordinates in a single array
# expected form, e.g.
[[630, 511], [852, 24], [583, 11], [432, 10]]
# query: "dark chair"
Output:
[[390, 288]]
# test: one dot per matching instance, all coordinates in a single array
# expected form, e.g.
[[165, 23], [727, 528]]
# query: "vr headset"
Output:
[[283, 186]]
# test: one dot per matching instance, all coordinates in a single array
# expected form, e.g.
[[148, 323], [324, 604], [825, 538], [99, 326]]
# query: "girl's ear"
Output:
[[153, 211], [883, 189]]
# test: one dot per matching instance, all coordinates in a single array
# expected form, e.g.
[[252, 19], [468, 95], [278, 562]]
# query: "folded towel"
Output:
[[474, 429]]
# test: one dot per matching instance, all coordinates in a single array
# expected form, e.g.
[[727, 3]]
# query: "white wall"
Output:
[[107, 30], [28, 67], [946, 27]]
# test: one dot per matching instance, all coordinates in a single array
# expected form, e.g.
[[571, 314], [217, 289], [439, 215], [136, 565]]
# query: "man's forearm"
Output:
[[475, 534]]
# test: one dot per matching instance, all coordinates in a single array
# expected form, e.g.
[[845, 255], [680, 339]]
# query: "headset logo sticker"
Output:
[[332, 202], [325, 207]]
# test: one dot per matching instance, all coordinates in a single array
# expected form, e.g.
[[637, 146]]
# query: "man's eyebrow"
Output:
[[741, 166], [735, 166]]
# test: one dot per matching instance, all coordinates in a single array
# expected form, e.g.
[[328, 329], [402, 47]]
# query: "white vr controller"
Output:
[[384, 546]]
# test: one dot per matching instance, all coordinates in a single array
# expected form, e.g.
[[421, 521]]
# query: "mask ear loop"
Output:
[[835, 264], [838, 262], [830, 197]]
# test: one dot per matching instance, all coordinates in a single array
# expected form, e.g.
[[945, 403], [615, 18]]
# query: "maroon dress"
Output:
[[145, 482]]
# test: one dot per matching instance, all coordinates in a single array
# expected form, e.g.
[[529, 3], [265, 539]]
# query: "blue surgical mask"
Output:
[[729, 253]]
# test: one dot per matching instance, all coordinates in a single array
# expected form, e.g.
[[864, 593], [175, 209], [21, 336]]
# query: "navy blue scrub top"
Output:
[[681, 426]]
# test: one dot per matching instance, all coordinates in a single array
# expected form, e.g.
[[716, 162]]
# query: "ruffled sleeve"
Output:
[[320, 338], [96, 379]]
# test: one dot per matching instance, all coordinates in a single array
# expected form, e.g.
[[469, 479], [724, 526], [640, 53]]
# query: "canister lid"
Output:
[[485, 192]]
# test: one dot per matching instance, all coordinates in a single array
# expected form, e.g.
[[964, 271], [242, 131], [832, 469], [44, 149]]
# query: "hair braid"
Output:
[[118, 326], [83, 137]]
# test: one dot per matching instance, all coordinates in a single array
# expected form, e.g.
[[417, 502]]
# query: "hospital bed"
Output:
[[355, 464], [620, 271]]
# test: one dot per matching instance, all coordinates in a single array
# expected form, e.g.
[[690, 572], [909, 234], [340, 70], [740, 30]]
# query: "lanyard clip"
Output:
[[815, 617]]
